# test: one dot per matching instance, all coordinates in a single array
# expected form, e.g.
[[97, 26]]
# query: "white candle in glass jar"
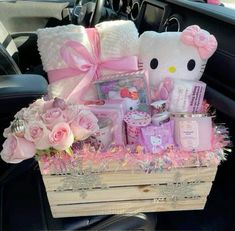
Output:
[[192, 132], [105, 134]]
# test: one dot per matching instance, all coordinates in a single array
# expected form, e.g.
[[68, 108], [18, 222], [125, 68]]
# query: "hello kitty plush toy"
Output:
[[176, 61], [129, 95]]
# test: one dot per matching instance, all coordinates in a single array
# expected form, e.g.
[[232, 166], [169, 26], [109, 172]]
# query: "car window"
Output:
[[71, 2]]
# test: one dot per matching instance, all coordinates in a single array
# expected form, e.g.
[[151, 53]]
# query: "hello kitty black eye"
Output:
[[191, 64], [131, 108], [154, 63]]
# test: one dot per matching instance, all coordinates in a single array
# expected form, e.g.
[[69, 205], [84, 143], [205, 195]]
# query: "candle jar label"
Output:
[[189, 135]]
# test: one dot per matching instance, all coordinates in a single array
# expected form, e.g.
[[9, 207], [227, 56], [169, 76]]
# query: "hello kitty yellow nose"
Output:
[[171, 69]]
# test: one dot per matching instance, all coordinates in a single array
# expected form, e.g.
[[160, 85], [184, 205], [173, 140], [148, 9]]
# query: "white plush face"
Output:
[[131, 104], [165, 55]]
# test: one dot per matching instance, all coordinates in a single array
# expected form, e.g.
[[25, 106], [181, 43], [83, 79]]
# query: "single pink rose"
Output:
[[7, 132], [84, 125], [48, 105], [31, 114], [71, 112], [16, 149], [53, 116], [37, 132], [20, 113], [27, 114], [39, 103], [61, 136]]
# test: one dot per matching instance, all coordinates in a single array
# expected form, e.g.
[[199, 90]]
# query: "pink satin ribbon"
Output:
[[80, 60]]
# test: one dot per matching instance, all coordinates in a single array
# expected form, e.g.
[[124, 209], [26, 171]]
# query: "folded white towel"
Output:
[[50, 41], [117, 39]]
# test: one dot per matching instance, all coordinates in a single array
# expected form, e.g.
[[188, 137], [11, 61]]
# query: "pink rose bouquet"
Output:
[[45, 127]]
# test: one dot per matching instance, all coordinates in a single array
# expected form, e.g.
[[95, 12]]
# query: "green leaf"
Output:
[[69, 151]]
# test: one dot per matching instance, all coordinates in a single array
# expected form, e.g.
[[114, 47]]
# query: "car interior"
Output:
[[23, 199]]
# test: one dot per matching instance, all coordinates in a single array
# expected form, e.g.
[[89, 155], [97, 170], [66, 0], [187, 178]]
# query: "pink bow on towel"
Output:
[[80, 60], [203, 40]]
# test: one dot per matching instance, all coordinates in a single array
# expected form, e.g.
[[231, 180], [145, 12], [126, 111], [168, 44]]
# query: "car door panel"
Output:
[[21, 19], [28, 16]]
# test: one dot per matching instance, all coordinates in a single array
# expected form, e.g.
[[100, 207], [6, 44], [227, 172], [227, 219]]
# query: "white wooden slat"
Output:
[[120, 194], [125, 207], [207, 174]]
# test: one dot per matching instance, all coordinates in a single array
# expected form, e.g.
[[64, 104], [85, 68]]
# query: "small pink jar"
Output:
[[192, 132], [135, 120]]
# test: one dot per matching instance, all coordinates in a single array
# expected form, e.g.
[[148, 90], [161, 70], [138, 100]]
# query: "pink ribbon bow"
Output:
[[80, 60], [201, 39]]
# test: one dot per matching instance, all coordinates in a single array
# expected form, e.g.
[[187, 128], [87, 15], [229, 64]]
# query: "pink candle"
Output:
[[193, 132], [135, 120]]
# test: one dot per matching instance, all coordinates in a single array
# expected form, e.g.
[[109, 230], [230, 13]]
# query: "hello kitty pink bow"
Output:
[[125, 93], [201, 39]]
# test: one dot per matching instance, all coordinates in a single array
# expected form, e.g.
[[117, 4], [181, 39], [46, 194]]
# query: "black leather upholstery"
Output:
[[17, 91], [7, 64], [25, 58], [221, 102], [122, 222], [18, 86]]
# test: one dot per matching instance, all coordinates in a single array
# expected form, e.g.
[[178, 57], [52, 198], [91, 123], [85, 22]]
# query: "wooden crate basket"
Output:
[[100, 193]]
